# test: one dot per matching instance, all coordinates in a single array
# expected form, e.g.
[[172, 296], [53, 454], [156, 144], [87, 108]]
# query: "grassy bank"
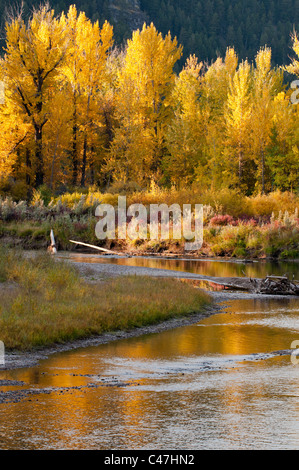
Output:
[[256, 227], [44, 301]]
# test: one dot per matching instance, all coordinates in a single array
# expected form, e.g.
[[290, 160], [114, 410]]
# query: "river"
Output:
[[223, 383]]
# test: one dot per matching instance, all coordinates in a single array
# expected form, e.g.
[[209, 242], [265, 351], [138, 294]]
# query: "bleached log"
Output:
[[94, 247], [52, 248], [277, 277]]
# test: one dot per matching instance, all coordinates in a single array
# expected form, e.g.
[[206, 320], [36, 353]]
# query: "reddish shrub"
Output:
[[222, 220], [80, 227]]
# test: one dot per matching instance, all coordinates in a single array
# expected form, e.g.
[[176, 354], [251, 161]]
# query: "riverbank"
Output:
[[46, 301], [256, 228], [101, 274], [242, 242], [31, 358]]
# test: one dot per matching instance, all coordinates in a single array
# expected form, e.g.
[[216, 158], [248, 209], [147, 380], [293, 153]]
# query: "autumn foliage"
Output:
[[79, 112]]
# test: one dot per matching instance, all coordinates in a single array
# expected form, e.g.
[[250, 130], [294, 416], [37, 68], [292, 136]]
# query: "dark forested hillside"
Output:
[[203, 27], [207, 27], [125, 15]]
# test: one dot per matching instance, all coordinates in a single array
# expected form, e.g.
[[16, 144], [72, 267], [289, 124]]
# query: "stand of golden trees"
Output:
[[79, 112]]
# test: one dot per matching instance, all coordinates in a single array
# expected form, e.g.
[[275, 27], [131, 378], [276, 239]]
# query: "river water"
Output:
[[223, 383]]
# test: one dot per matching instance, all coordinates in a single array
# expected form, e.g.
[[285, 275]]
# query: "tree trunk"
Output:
[[74, 157], [53, 161], [75, 145], [84, 160], [240, 166], [28, 167], [92, 173], [263, 170], [39, 174]]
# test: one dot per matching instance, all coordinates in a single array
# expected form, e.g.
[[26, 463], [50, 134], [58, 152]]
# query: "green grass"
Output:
[[50, 303]]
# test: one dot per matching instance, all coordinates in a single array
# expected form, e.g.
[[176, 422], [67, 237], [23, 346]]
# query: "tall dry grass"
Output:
[[47, 302], [72, 217]]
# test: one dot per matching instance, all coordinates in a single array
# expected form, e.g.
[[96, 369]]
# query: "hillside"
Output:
[[207, 27], [203, 27], [125, 15]]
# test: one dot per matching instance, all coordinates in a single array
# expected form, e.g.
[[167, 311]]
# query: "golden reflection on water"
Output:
[[168, 389], [213, 268]]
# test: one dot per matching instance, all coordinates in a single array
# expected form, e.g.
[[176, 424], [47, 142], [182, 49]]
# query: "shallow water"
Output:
[[218, 384], [207, 267]]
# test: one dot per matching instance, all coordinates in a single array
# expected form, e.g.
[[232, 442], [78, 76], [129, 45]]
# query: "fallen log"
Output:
[[95, 247]]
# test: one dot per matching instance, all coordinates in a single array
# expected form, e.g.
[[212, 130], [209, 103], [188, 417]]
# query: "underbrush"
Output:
[[235, 225], [216, 202], [245, 240]]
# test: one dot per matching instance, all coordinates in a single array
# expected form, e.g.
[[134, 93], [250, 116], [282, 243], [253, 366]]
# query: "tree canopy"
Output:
[[79, 111]]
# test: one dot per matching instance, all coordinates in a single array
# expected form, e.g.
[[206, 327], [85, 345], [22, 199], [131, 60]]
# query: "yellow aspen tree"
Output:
[[284, 152], [103, 137], [94, 45], [33, 55], [12, 131], [131, 150], [238, 115], [185, 133], [217, 81], [57, 136], [83, 70], [108, 105], [266, 83], [148, 69], [71, 71], [214, 93], [293, 68]]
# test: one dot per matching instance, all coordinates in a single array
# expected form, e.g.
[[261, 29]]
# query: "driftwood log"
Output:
[[52, 248], [276, 285], [94, 247]]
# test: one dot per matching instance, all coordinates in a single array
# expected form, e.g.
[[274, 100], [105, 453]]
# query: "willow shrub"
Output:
[[276, 239]]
